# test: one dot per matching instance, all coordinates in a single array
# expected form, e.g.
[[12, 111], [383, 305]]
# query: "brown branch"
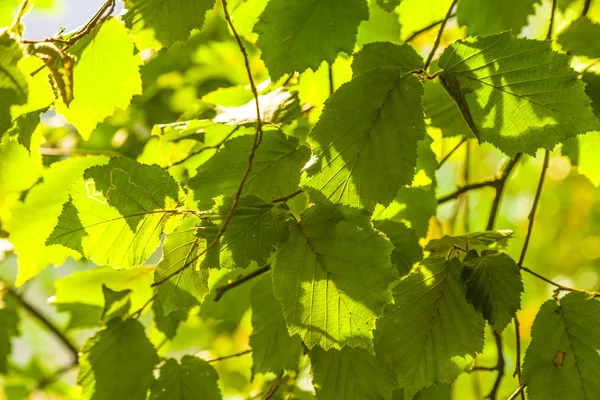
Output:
[[482, 368], [518, 355], [558, 286], [257, 140], [510, 165], [447, 156], [241, 353], [204, 148], [472, 186], [534, 206], [51, 151], [586, 7], [499, 367], [514, 394], [62, 337], [425, 29], [221, 290], [53, 377], [436, 44], [274, 387], [289, 196], [551, 26], [330, 72]]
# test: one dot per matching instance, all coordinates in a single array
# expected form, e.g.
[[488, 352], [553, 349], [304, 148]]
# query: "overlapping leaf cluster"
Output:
[[336, 216]]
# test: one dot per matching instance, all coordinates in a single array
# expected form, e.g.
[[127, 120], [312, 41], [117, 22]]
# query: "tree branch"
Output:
[[447, 156], [425, 29], [499, 367], [472, 186], [62, 337], [436, 44], [534, 206], [551, 26], [518, 355], [221, 290], [257, 140], [289, 196], [510, 165], [204, 148], [55, 375], [241, 353], [586, 7]]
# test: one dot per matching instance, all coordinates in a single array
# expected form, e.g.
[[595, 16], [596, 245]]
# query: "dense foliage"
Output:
[[287, 199]]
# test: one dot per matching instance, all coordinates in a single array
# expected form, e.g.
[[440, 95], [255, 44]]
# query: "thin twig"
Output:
[[62, 337], [436, 44], [551, 26], [494, 182], [241, 353], [510, 165], [204, 148], [425, 29], [221, 290], [274, 387], [514, 395], [137, 313], [257, 140], [482, 368], [518, 355], [465, 197], [499, 367], [20, 13], [330, 72], [55, 375], [586, 7], [558, 286], [447, 156], [289, 196], [534, 206]]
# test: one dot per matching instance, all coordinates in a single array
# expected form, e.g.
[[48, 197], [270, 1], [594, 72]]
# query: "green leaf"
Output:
[[494, 287], [580, 38], [117, 362], [367, 145], [583, 152], [24, 126], [273, 349], [332, 277], [430, 323], [296, 35], [34, 218], [183, 270], [81, 295], [169, 323], [351, 374], [407, 250], [520, 95], [171, 21], [388, 5], [563, 357], [13, 85], [116, 216], [106, 77], [443, 111], [275, 170], [116, 303], [477, 241], [9, 321], [386, 54], [487, 17], [256, 227], [11, 184], [193, 379]]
